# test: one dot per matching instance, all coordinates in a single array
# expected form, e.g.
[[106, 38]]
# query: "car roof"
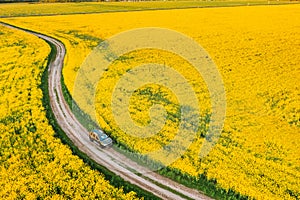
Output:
[[100, 133]]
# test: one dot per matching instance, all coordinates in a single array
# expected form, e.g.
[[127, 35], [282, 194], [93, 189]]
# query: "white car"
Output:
[[100, 137]]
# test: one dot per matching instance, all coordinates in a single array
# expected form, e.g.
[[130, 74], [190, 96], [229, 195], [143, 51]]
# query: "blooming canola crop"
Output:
[[256, 50]]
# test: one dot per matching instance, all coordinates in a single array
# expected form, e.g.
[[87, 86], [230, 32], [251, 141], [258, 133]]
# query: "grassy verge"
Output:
[[82, 117], [202, 183], [115, 180]]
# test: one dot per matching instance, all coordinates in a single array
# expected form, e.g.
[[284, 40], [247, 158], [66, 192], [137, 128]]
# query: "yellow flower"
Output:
[[257, 53]]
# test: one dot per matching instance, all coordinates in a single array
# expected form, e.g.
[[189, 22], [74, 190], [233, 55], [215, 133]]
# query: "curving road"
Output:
[[109, 158]]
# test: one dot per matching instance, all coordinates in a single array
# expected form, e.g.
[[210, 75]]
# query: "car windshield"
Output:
[[107, 141], [103, 137]]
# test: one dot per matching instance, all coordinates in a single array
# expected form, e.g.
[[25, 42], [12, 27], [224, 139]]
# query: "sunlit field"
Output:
[[256, 50], [34, 163]]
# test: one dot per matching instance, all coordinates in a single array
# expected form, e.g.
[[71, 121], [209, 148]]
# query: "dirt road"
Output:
[[109, 158]]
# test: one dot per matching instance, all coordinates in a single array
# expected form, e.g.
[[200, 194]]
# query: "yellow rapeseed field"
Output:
[[33, 163], [257, 53]]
